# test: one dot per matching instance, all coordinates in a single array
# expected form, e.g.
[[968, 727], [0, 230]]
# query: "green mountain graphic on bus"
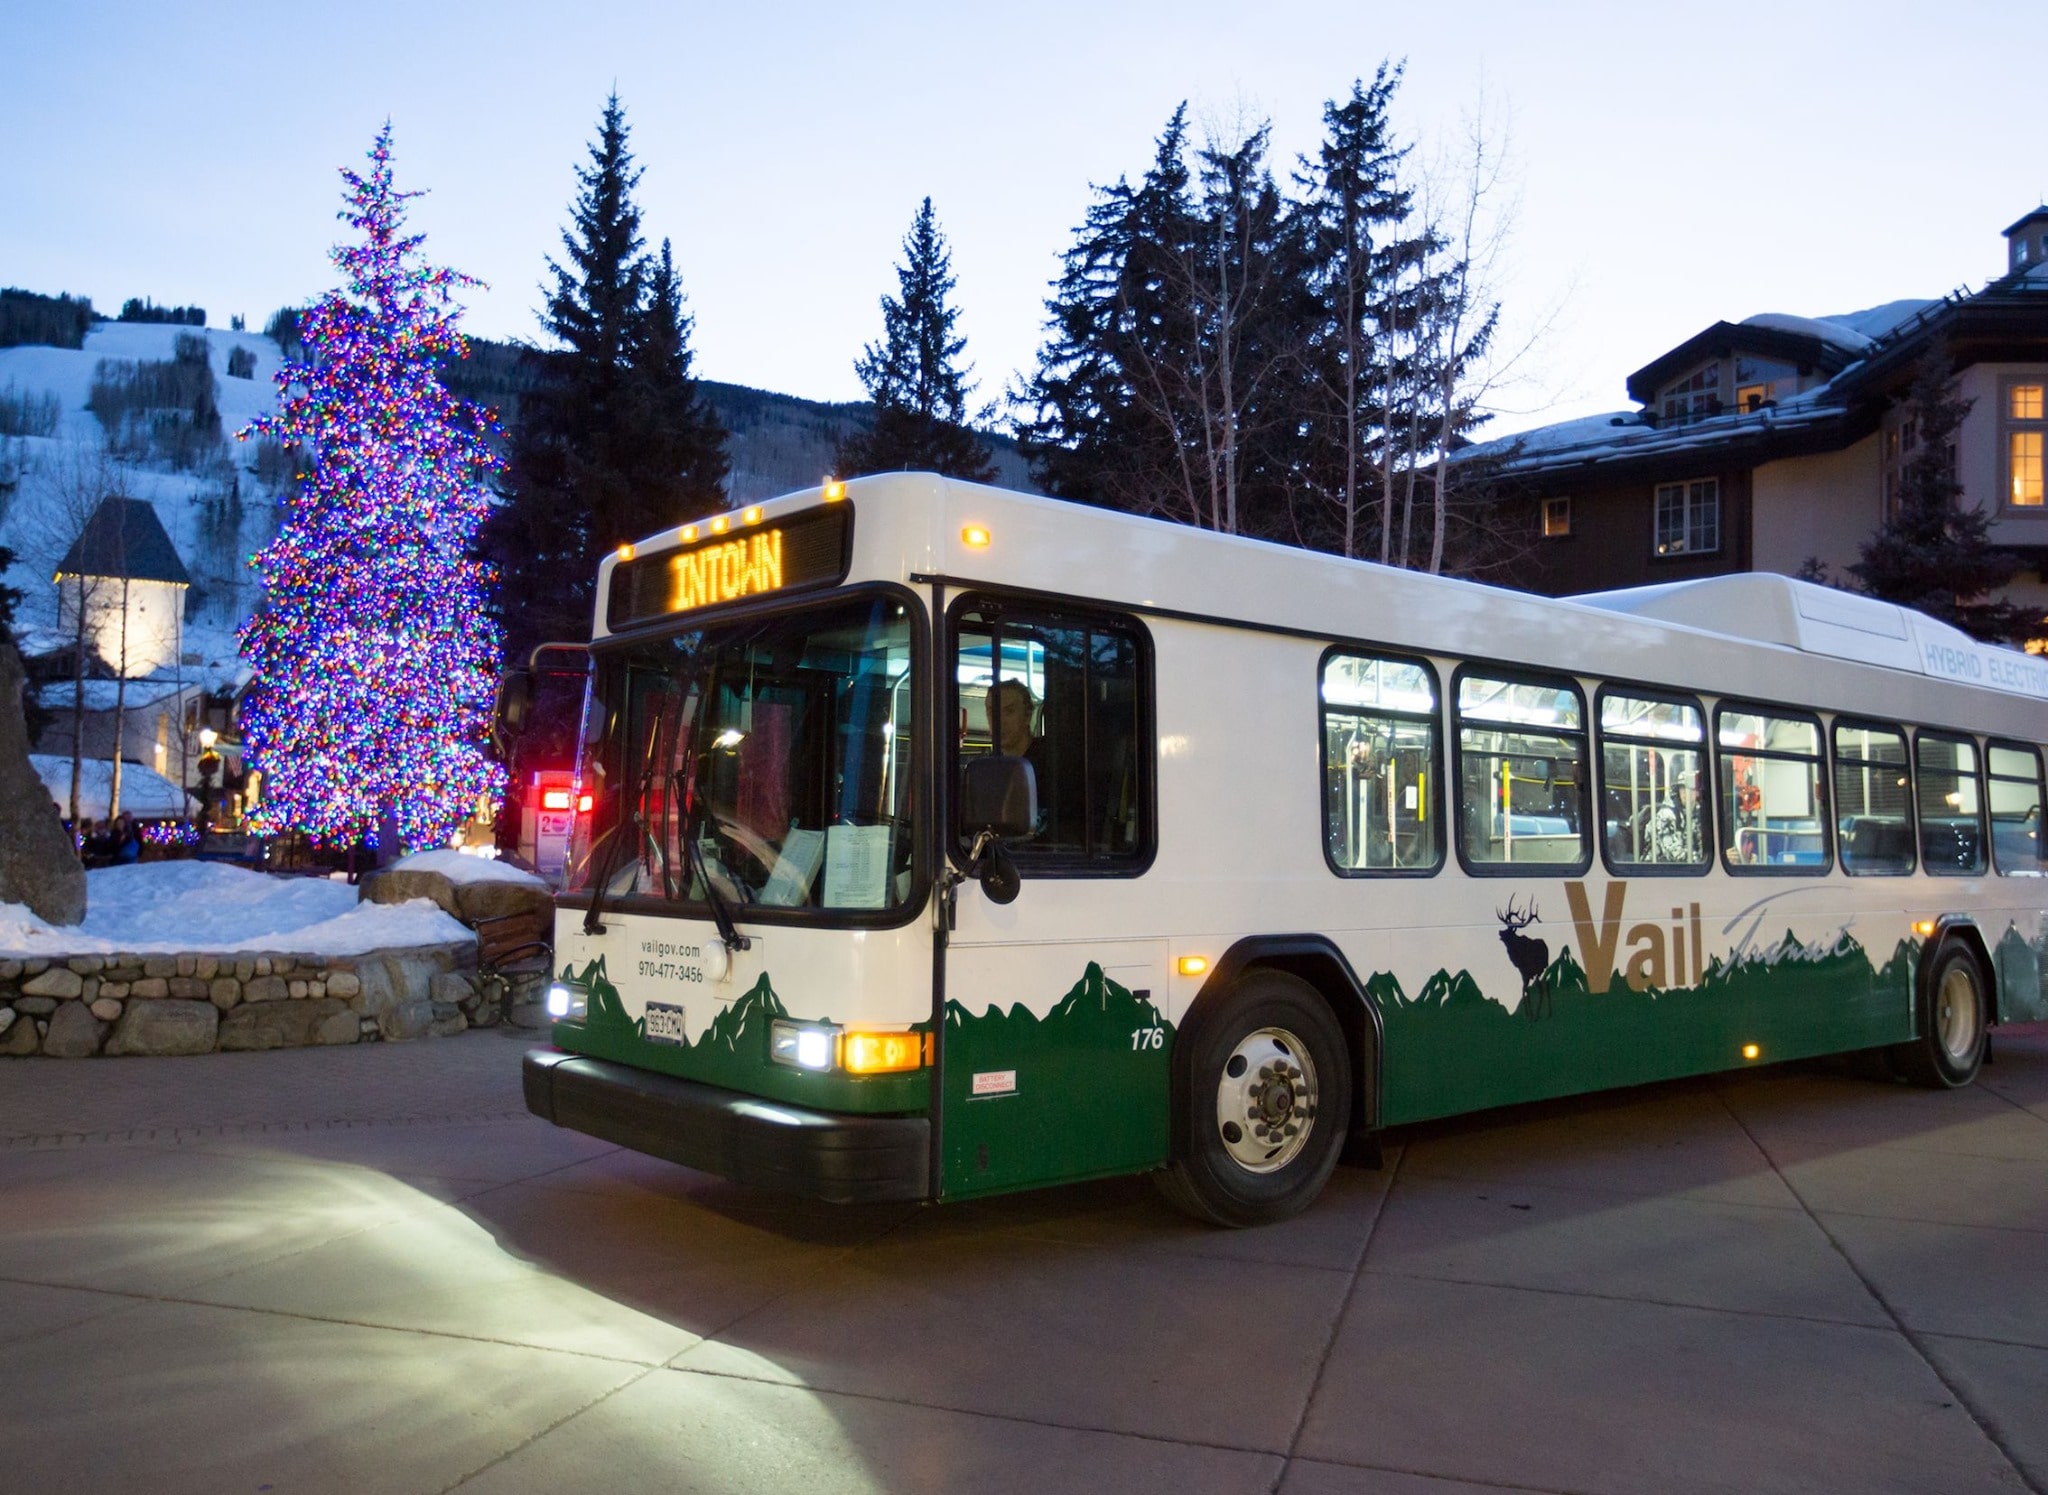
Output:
[[732, 1052], [1453, 1048], [1079, 1093]]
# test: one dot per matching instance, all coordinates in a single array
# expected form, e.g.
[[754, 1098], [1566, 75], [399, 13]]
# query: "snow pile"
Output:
[[464, 867], [145, 793], [165, 907]]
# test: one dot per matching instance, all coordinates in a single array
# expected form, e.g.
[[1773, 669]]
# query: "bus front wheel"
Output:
[[1953, 1013], [1268, 1092]]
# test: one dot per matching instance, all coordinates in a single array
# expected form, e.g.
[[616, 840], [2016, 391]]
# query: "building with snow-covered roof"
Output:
[[1764, 444], [121, 587]]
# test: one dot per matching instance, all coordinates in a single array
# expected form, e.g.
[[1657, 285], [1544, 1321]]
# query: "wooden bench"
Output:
[[515, 953]]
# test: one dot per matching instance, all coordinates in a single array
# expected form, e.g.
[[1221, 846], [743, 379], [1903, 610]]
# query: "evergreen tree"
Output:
[[678, 459], [1931, 553], [373, 657], [1168, 383], [613, 442], [1089, 431], [1354, 208], [914, 377]]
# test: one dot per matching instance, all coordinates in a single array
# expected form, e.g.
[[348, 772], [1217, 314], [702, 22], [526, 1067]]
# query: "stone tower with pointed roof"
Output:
[[122, 584]]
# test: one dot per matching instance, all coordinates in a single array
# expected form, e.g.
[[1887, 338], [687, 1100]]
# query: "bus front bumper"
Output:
[[757, 1143]]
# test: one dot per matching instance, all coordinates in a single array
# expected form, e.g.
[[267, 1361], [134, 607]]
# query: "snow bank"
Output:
[[163, 907], [459, 867]]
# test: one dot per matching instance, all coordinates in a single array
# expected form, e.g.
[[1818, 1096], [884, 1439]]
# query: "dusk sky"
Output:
[[1668, 166]]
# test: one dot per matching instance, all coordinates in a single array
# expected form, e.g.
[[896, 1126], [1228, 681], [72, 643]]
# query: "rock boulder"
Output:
[[401, 885], [38, 865], [74, 1032], [166, 1026], [288, 1025]]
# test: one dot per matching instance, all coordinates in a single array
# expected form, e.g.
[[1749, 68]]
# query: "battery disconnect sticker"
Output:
[[665, 1024], [996, 1082]]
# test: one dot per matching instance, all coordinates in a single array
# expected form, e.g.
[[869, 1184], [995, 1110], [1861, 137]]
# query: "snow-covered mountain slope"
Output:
[[217, 512]]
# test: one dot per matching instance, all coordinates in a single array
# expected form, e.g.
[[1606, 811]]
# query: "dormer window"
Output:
[[1693, 398]]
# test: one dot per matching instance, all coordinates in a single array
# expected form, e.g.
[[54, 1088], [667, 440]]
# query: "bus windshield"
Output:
[[780, 747]]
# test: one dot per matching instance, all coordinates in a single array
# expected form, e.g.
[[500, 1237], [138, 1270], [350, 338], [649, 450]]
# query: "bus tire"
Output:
[[1954, 1026], [1268, 1090]]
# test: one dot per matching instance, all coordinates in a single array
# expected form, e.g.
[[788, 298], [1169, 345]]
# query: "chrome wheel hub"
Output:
[[1266, 1100], [1956, 1015]]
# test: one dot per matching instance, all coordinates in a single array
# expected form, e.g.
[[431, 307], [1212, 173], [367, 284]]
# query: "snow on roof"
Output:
[[166, 906], [1875, 321], [144, 792], [58, 694], [1835, 333], [1608, 437]]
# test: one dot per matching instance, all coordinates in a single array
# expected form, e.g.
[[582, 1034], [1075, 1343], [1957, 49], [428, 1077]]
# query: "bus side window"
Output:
[[1652, 783], [1773, 792], [1070, 694], [1382, 762], [1521, 774], [1873, 792], [1951, 803], [2016, 845]]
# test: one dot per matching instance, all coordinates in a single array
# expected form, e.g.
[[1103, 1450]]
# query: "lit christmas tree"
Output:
[[374, 659]]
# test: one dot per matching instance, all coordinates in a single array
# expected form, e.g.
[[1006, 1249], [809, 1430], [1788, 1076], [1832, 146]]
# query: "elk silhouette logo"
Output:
[[1531, 957]]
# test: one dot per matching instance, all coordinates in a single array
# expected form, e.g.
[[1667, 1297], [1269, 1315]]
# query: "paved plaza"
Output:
[[366, 1269]]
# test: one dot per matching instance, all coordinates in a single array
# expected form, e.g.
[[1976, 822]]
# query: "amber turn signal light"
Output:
[[881, 1053]]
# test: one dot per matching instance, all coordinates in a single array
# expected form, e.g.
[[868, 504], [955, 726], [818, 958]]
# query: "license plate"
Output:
[[664, 1024]]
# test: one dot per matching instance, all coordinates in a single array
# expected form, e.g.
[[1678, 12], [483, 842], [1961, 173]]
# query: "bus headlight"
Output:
[[803, 1045], [564, 1002]]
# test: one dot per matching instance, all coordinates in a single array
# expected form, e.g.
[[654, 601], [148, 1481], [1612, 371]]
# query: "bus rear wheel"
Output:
[[1953, 1023], [1268, 1092]]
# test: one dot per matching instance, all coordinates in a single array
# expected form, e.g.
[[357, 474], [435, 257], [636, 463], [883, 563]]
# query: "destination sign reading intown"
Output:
[[751, 560]]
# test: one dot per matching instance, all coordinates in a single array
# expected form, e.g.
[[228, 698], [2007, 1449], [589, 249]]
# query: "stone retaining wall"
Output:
[[78, 1006]]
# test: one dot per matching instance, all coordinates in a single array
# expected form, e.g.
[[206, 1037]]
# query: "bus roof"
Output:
[[1735, 630]]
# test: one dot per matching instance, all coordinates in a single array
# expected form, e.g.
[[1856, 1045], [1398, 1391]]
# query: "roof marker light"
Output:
[[719, 525], [834, 490], [753, 515], [689, 533], [626, 552]]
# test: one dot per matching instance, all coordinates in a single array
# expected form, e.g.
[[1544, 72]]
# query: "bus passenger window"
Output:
[[1872, 793], [1069, 695], [2016, 846], [1381, 764], [1951, 805], [1773, 793], [1652, 784], [1521, 774]]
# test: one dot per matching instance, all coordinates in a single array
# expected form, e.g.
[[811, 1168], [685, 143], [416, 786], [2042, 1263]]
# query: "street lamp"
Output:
[[209, 765]]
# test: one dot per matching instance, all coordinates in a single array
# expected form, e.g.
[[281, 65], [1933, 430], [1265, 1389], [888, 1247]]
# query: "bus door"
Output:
[[1054, 1055]]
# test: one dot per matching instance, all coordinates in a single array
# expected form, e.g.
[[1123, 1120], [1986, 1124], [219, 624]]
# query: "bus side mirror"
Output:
[[998, 795], [515, 701]]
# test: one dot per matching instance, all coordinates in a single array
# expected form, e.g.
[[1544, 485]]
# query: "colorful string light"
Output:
[[374, 657]]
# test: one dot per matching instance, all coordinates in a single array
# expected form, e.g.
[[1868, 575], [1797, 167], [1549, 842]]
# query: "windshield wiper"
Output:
[[693, 857]]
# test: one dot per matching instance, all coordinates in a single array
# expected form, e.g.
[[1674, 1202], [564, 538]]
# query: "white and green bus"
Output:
[[945, 841]]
